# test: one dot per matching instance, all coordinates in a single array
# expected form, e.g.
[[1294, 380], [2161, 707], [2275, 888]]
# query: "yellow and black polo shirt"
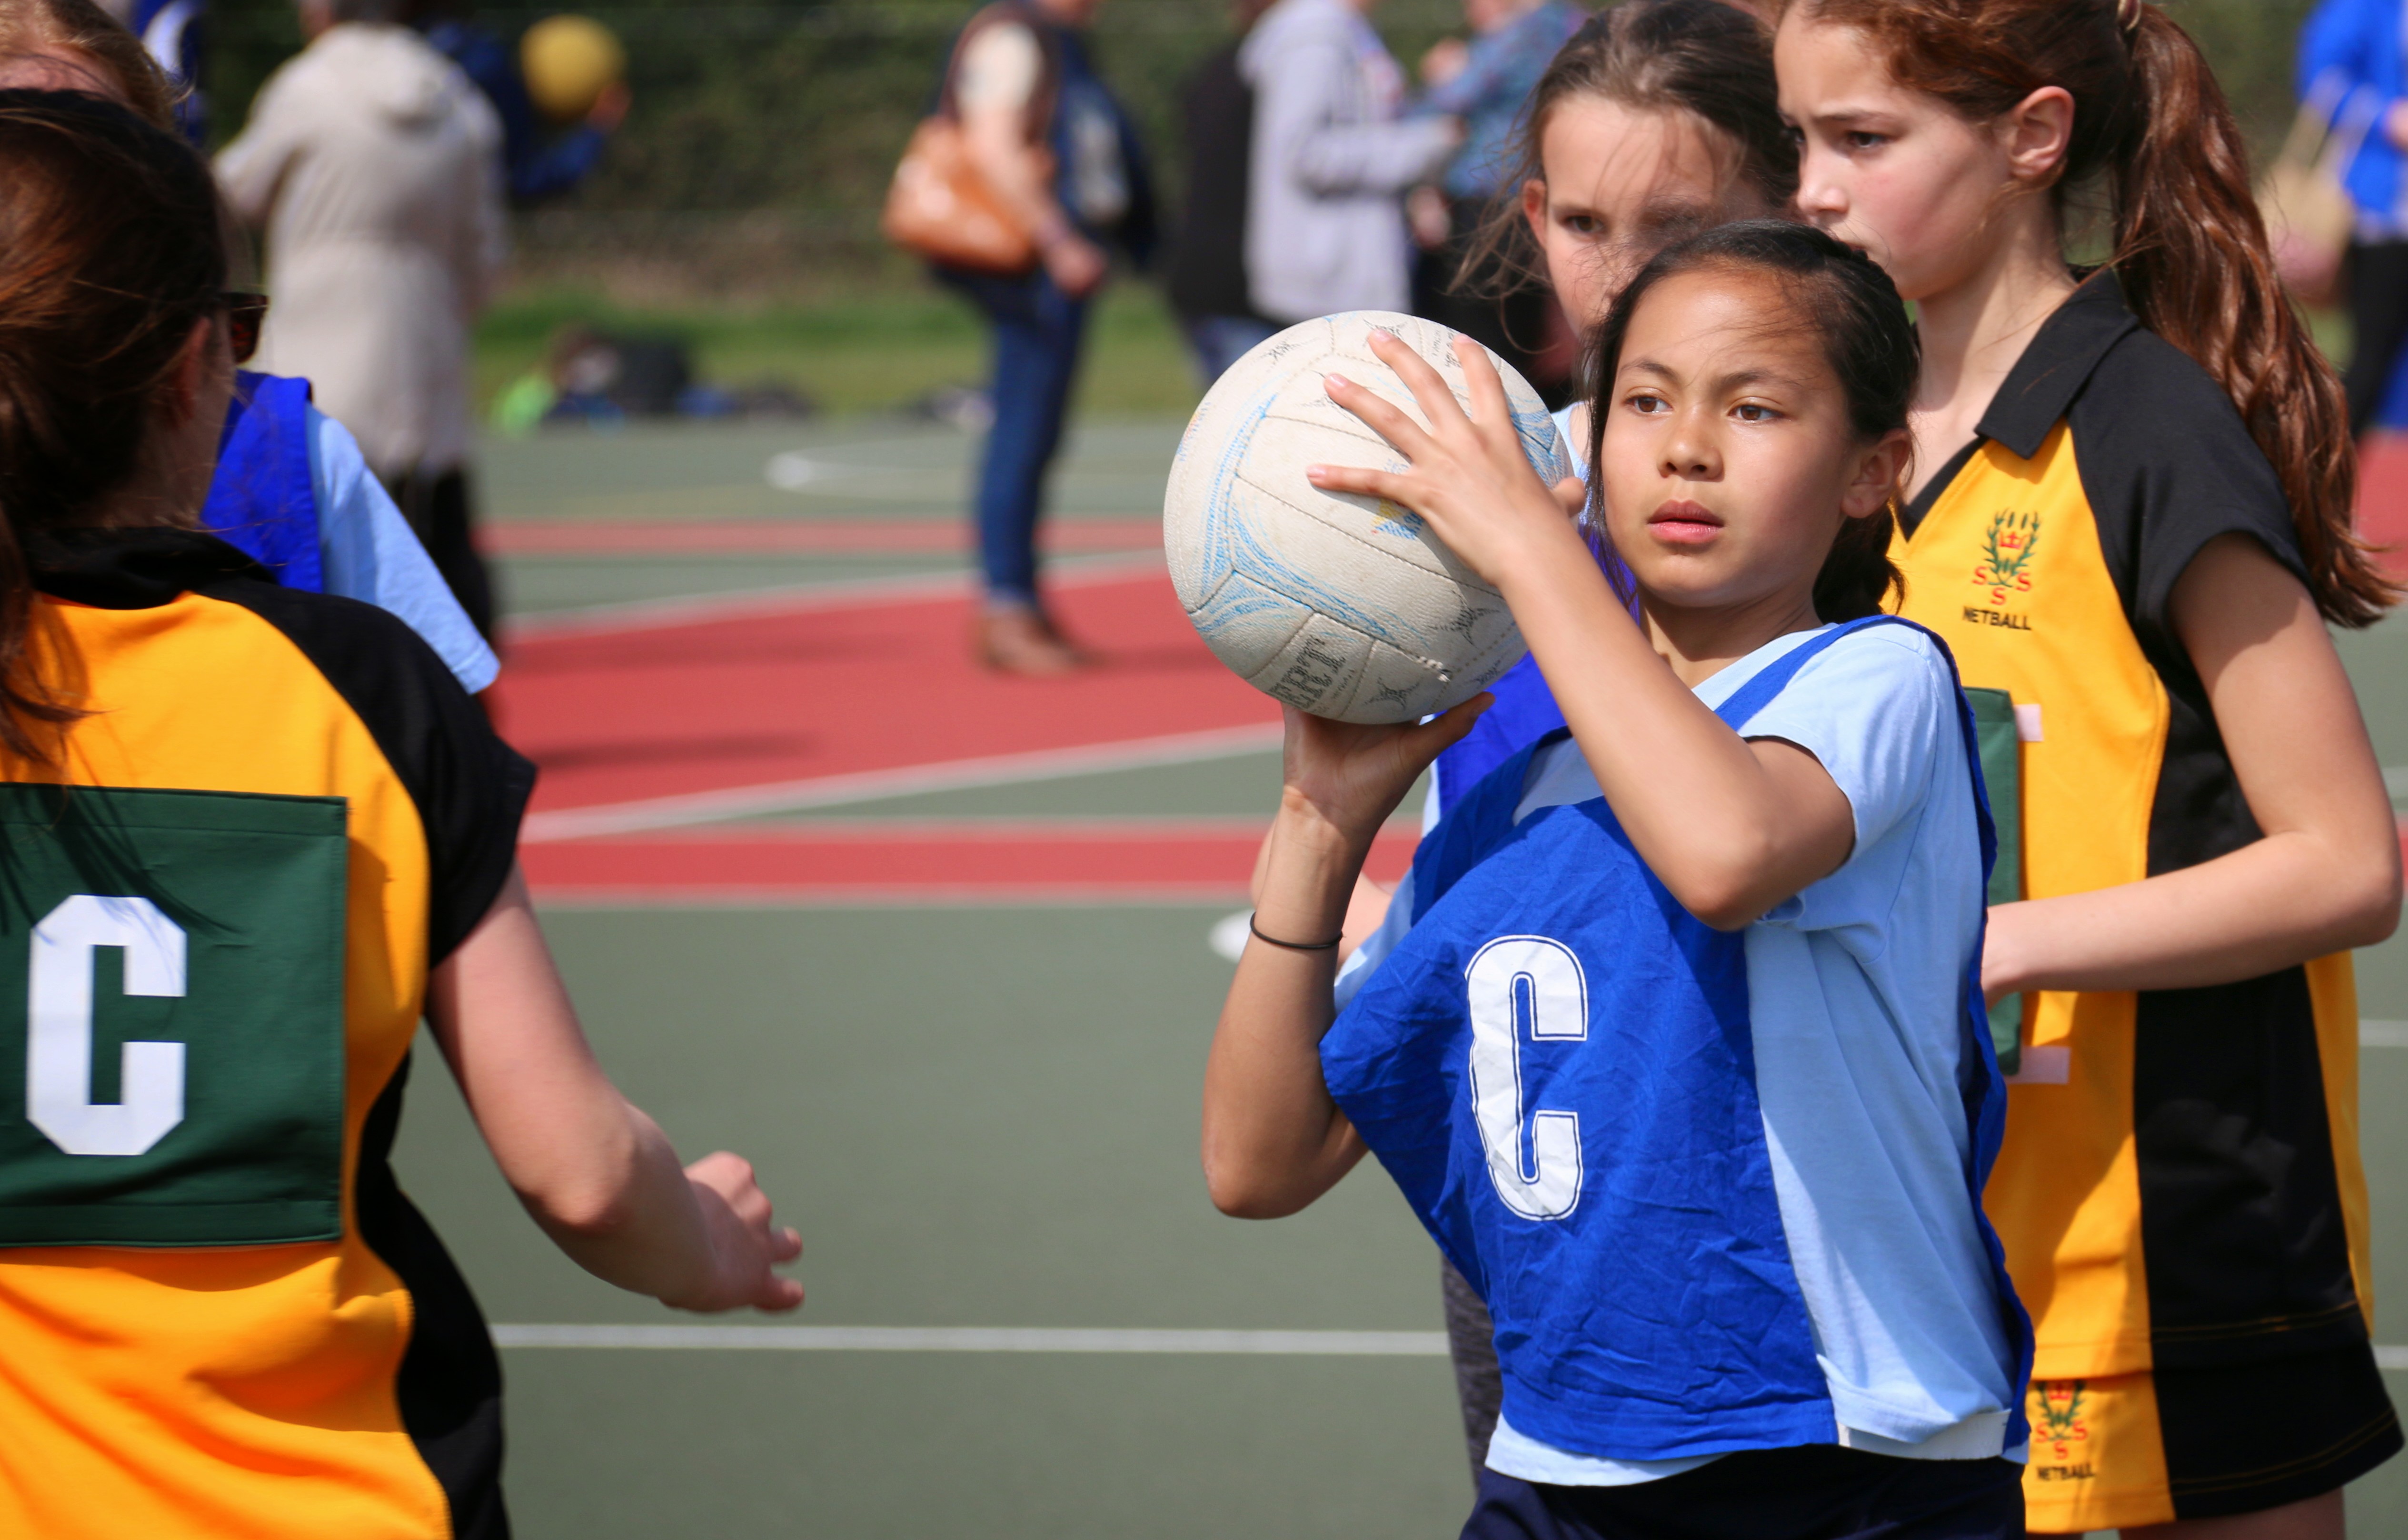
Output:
[[218, 1314], [2180, 1184]]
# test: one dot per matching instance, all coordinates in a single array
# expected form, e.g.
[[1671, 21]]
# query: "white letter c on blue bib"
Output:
[[1512, 980]]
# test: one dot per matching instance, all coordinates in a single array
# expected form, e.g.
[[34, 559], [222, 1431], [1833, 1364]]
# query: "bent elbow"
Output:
[[1247, 1194], [585, 1213], [1724, 896], [1243, 1202], [2374, 913]]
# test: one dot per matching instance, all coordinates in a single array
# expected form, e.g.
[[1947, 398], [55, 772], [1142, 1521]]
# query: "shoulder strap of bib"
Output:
[[1758, 693], [1474, 826]]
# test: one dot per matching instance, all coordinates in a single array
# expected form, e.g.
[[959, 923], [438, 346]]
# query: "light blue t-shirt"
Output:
[[1575, 449], [369, 553], [1854, 1002]]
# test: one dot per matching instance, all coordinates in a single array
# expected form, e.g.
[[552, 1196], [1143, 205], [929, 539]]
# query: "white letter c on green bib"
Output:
[[59, 1040]]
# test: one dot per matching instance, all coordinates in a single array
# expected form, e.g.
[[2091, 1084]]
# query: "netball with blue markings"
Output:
[[1342, 606]]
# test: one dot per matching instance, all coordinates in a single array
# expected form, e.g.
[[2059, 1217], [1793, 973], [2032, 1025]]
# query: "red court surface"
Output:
[[668, 722], [2382, 497], [1105, 860], [793, 537], [654, 728]]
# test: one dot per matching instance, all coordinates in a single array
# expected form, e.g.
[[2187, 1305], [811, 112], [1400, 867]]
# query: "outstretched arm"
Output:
[[1273, 1139], [596, 1173]]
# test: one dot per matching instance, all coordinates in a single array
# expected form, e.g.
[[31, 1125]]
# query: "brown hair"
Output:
[[108, 255], [1701, 57], [2190, 247], [80, 27], [1872, 346]]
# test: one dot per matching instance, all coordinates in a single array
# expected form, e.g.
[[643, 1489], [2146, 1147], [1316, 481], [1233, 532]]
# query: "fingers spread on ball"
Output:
[[1381, 416], [1429, 388]]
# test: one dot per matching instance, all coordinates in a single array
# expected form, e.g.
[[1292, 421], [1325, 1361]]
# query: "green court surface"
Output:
[[986, 1117]]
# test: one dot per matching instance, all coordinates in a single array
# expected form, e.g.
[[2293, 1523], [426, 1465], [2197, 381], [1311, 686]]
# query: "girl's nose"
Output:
[[1820, 200]]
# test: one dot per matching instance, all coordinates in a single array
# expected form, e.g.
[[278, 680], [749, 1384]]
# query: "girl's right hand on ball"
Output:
[[1347, 777]]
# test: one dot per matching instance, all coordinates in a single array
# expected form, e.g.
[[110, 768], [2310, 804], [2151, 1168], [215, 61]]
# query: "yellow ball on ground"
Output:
[[567, 61]]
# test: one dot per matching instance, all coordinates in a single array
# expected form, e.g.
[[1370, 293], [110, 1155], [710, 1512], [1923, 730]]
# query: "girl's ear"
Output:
[[1877, 474], [1534, 206], [2036, 133]]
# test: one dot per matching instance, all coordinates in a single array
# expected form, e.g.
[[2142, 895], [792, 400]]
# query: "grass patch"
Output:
[[869, 352]]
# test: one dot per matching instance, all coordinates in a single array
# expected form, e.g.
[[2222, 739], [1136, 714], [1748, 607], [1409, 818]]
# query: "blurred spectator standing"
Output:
[[2354, 53], [539, 162], [289, 488], [1332, 160], [1050, 141], [373, 164], [1488, 82], [1208, 263], [175, 33]]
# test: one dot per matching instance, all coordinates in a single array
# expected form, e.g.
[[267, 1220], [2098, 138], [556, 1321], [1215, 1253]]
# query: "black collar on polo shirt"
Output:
[[2057, 363], [132, 569]]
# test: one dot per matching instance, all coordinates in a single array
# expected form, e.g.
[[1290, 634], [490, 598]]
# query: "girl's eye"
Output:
[[1857, 138], [1584, 224], [1754, 411], [1645, 401]]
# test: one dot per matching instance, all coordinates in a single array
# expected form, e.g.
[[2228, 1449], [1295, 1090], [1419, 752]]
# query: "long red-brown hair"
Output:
[[109, 256], [2150, 121]]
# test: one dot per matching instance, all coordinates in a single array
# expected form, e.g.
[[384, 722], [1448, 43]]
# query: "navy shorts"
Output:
[[1815, 1491]]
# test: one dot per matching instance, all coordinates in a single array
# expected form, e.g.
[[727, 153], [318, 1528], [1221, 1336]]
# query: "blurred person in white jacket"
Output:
[[1324, 211], [373, 164]]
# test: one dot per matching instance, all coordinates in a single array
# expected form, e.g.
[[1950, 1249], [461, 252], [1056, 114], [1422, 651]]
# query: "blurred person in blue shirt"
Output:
[[1486, 83], [540, 163], [2354, 62], [174, 33]]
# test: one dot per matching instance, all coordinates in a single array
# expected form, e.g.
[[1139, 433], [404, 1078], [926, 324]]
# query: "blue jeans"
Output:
[[1037, 329], [1221, 340]]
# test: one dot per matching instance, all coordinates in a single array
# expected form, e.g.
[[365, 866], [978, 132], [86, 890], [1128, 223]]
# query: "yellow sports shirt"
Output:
[[219, 1316], [2180, 1182]]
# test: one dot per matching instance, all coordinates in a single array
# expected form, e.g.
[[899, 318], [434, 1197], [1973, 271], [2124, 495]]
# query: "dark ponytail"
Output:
[[108, 255], [2190, 249], [1847, 302]]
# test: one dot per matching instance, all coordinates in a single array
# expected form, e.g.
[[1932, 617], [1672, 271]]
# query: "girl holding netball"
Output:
[[252, 834], [1672, 1035], [2133, 516], [1656, 119]]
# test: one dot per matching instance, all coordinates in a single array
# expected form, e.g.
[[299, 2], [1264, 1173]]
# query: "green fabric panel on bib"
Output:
[[171, 1016], [2002, 749]]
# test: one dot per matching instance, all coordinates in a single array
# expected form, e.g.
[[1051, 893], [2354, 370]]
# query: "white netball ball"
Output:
[[1345, 607]]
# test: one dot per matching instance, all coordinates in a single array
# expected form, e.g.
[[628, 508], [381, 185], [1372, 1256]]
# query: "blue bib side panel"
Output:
[[1524, 712], [1556, 1067], [262, 499]]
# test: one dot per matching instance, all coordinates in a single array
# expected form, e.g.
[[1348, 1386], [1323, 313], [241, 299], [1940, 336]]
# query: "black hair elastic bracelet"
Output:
[[1329, 945]]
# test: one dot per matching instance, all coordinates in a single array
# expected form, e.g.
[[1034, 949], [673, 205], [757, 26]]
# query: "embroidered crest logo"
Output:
[[2007, 548], [2061, 1431]]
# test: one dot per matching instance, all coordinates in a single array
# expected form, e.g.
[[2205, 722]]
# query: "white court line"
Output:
[[2391, 1357], [704, 807], [2383, 1034], [978, 1339]]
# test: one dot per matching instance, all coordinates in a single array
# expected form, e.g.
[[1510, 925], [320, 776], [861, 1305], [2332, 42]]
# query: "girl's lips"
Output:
[[1684, 523]]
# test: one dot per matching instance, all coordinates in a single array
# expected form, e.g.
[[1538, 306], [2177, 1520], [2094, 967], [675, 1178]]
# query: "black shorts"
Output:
[[2204, 1443], [1815, 1491]]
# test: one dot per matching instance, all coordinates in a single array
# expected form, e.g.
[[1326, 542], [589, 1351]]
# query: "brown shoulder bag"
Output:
[[940, 205]]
